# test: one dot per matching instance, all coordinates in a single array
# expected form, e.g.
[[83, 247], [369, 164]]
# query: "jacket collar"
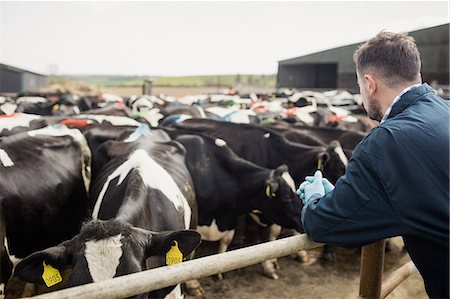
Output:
[[409, 98]]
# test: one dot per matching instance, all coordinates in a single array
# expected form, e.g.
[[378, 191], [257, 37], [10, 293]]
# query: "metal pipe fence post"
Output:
[[372, 265]]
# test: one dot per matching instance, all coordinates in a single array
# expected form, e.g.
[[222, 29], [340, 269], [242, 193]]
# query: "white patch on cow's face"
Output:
[[14, 260], [153, 176], [175, 294], [211, 232], [103, 257], [113, 119], [287, 177], [267, 135], [78, 137], [5, 159], [17, 120], [341, 155], [220, 142]]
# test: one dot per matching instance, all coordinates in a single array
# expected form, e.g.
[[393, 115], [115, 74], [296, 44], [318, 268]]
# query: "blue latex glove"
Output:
[[314, 187]]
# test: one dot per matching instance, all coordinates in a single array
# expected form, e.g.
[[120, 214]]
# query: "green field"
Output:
[[184, 81]]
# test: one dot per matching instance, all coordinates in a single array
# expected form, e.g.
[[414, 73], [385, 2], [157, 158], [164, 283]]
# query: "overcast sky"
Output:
[[192, 38]]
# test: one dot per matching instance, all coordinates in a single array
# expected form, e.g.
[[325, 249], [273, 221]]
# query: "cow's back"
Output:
[[43, 196]]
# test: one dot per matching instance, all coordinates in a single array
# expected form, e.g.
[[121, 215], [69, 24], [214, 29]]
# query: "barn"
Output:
[[14, 79], [334, 68]]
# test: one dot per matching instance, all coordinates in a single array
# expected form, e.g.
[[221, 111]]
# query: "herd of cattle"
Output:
[[105, 186]]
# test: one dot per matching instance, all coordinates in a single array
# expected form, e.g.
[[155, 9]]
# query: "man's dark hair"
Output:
[[392, 56]]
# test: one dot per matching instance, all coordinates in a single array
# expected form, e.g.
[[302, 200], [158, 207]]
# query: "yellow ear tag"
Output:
[[320, 165], [174, 255], [268, 191], [56, 107], [51, 275]]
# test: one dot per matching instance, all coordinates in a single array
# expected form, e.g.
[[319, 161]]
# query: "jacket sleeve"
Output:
[[357, 212]]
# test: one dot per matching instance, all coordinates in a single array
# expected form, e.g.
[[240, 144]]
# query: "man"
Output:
[[397, 182]]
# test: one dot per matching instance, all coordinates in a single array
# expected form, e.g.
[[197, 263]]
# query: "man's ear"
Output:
[[371, 82], [31, 268], [161, 243]]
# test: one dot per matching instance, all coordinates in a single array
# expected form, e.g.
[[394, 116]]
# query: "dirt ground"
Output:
[[318, 280]]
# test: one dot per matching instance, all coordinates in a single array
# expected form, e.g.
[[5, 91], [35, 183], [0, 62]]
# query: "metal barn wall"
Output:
[[433, 44], [14, 79], [33, 82], [10, 80]]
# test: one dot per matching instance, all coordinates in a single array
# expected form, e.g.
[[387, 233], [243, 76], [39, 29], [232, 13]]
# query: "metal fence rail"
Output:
[[397, 277], [145, 281], [371, 286]]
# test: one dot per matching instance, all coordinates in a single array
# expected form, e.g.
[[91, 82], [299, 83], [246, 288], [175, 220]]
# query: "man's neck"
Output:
[[395, 99], [390, 94]]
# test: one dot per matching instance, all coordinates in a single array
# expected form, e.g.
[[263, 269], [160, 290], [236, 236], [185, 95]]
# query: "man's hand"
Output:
[[314, 187]]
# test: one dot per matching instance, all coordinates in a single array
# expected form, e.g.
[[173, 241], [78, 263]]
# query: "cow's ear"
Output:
[[322, 159], [281, 169], [160, 243], [271, 186], [31, 268]]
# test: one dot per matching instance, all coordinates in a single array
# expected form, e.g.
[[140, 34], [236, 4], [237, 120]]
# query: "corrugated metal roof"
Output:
[[19, 70], [422, 36]]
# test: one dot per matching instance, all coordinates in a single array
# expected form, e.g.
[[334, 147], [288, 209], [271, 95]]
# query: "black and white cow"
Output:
[[176, 113], [34, 105], [7, 105], [97, 134], [142, 202], [44, 182], [309, 135], [268, 148], [228, 186], [20, 122]]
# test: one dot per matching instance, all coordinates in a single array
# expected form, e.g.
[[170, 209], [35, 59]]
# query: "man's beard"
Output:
[[374, 111]]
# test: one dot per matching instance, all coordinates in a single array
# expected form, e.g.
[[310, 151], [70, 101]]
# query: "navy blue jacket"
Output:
[[396, 184]]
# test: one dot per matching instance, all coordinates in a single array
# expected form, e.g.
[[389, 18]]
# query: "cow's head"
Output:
[[280, 204], [105, 249], [332, 162]]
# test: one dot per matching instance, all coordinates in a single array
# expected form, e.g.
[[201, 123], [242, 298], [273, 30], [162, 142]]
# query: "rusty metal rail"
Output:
[[371, 284]]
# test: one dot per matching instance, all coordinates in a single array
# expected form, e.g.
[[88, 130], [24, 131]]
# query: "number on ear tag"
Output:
[[51, 275], [174, 255]]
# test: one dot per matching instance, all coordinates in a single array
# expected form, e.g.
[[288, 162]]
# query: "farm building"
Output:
[[334, 68], [13, 79]]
